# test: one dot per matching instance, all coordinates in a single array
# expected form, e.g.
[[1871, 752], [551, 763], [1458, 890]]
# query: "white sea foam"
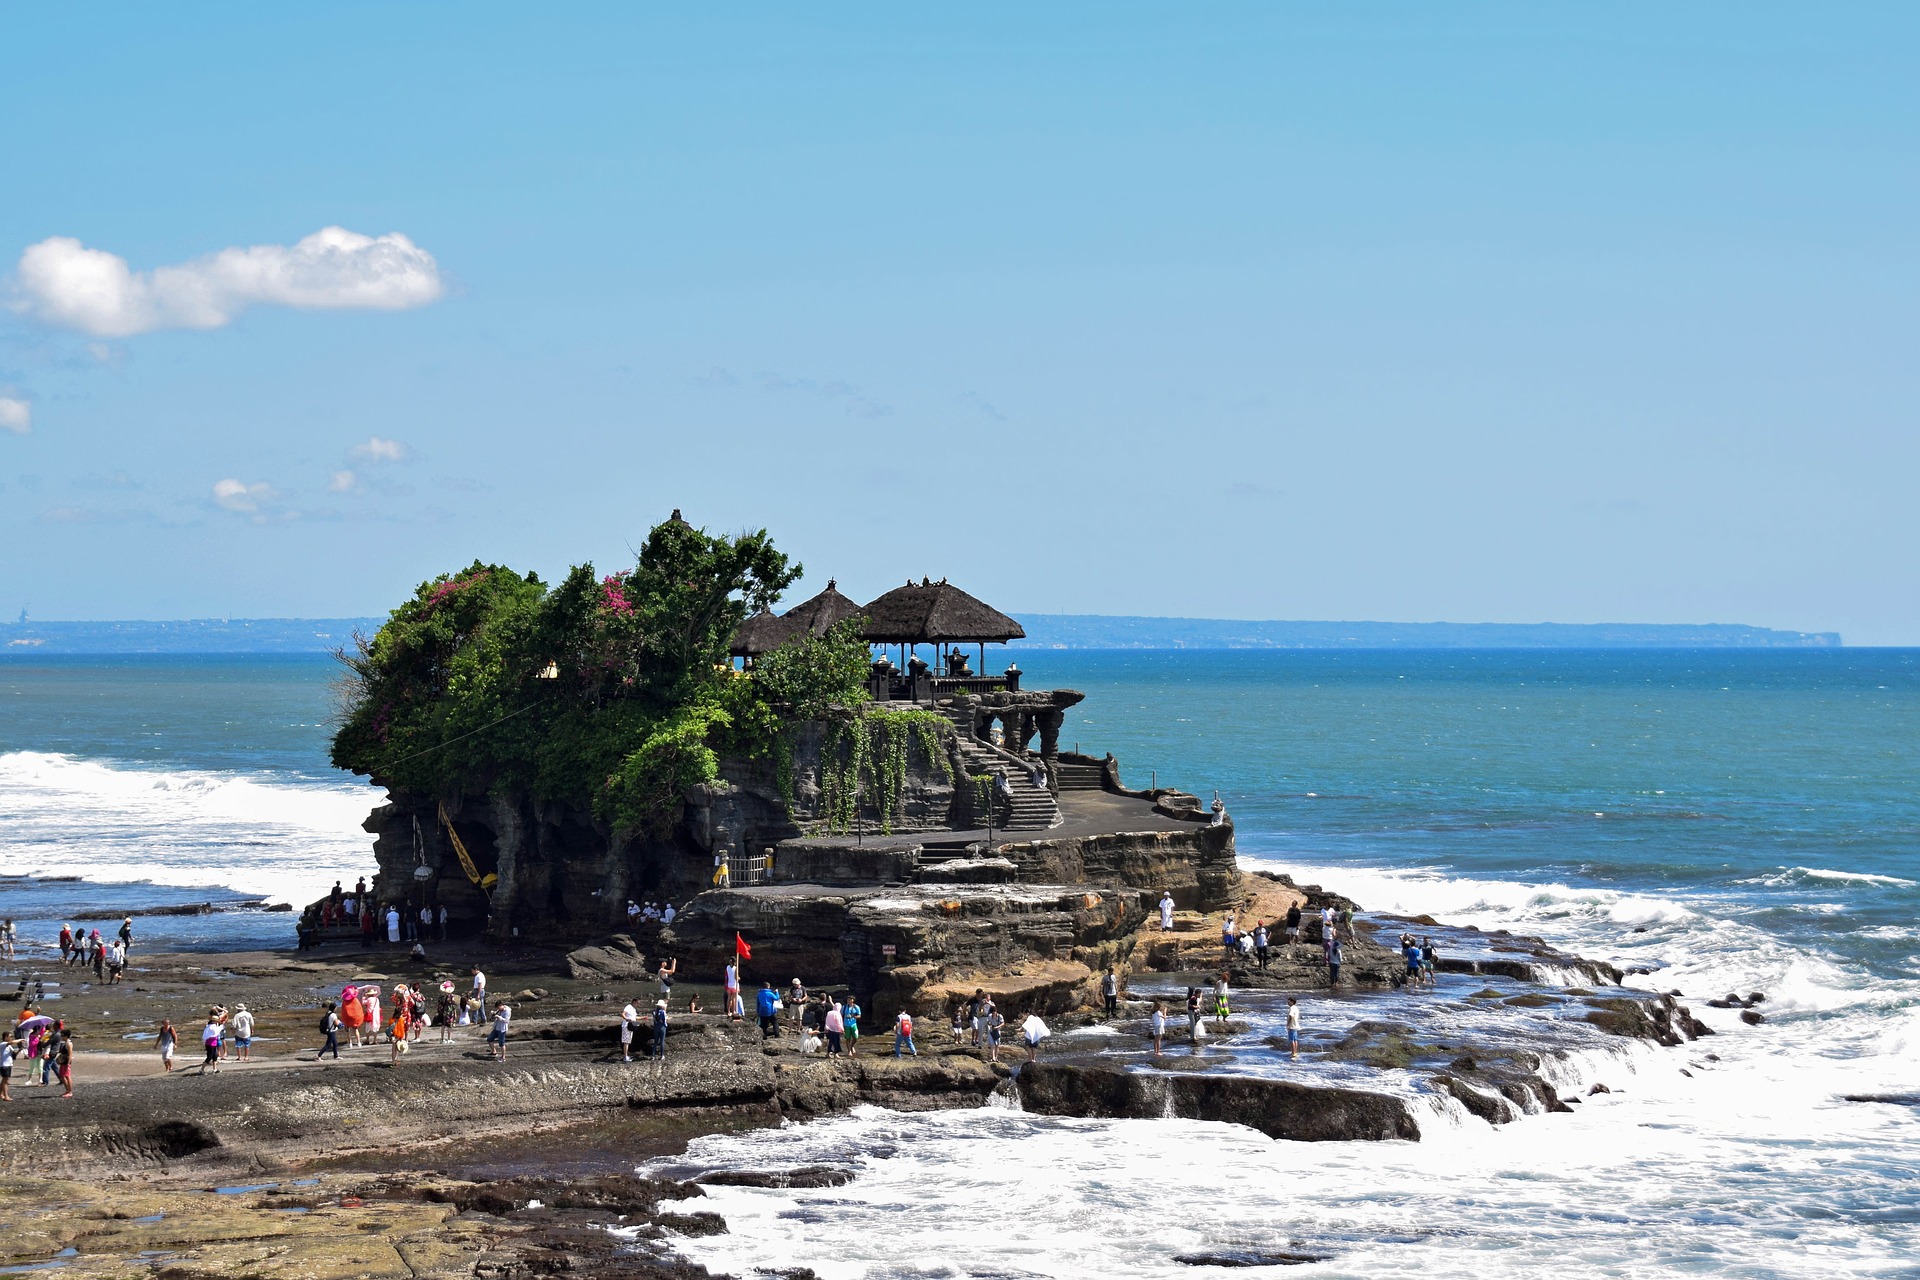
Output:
[[1800, 875], [278, 837]]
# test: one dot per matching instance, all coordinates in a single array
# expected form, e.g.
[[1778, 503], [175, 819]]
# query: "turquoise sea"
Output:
[[1723, 820]]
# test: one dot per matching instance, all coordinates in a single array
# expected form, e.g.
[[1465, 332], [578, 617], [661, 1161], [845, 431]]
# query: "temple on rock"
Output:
[[932, 834]]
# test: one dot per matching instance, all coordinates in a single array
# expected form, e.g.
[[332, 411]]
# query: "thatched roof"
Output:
[[818, 616], [764, 632], [936, 613]]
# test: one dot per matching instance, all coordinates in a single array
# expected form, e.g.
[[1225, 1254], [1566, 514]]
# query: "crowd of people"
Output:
[[396, 922], [84, 949]]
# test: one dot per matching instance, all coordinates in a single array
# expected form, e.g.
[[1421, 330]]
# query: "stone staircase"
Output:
[[1072, 776], [1032, 808]]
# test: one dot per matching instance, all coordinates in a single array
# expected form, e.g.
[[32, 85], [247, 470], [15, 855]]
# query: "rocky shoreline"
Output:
[[447, 1163]]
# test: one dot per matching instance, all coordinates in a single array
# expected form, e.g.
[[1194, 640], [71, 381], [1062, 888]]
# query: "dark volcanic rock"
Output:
[[1278, 1108], [1752, 1017], [1249, 1258]]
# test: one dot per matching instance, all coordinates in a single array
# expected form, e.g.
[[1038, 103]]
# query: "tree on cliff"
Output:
[[612, 690]]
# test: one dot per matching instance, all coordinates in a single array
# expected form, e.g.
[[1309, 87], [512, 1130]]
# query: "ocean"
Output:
[[1725, 820]]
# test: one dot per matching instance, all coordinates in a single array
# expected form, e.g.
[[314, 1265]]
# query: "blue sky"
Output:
[[1467, 312]]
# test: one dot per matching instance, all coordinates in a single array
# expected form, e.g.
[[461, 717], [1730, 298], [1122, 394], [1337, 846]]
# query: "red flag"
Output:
[[741, 949]]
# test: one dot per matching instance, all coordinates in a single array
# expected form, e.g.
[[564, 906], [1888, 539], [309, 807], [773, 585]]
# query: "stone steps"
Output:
[[1079, 777], [1030, 808]]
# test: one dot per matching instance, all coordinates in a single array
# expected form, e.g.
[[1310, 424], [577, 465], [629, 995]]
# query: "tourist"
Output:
[[440, 922], [836, 1026], [1293, 1028], [169, 1039], [66, 943], [629, 1020], [425, 928], [1334, 958], [1410, 956], [243, 1033], [960, 1024], [1158, 1024], [1429, 961], [1193, 1013], [1166, 912], [497, 1037], [370, 1008], [1326, 919], [977, 1014], [63, 1061], [1260, 943], [1229, 935], [996, 1023], [116, 960], [660, 1031], [1220, 994], [367, 925], [393, 923], [1293, 924], [850, 1020], [7, 937], [1246, 946], [730, 982], [48, 1050], [667, 969], [693, 1003], [330, 1025], [797, 1001], [351, 1014], [8, 1047], [1034, 1031], [1110, 993], [769, 1010], [98, 949], [360, 889], [417, 1018], [1327, 935], [479, 988], [210, 1041], [903, 1034], [126, 934], [419, 953], [1345, 921], [402, 1023]]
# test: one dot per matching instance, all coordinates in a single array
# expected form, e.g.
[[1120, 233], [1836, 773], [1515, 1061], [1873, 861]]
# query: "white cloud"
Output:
[[16, 416], [238, 495], [377, 449], [343, 482], [61, 281]]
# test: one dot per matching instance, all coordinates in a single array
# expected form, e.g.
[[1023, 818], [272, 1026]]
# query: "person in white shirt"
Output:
[[393, 924], [242, 1034], [1166, 912], [1293, 1028], [629, 1018], [667, 914]]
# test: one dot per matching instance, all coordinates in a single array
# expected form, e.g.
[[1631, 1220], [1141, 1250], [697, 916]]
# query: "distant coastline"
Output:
[[1044, 631], [1096, 631]]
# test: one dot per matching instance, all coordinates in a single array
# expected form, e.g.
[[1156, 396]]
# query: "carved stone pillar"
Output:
[[1050, 722]]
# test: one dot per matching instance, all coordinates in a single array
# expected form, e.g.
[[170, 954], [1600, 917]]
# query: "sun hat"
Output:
[[446, 986]]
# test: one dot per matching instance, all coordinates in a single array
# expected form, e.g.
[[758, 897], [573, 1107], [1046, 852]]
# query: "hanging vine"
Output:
[[871, 753]]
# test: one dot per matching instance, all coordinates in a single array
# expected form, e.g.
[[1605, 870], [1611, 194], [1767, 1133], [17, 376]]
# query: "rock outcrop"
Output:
[[1278, 1108]]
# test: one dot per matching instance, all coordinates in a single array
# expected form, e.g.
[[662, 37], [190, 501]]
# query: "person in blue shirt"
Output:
[[660, 1030], [769, 1008]]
